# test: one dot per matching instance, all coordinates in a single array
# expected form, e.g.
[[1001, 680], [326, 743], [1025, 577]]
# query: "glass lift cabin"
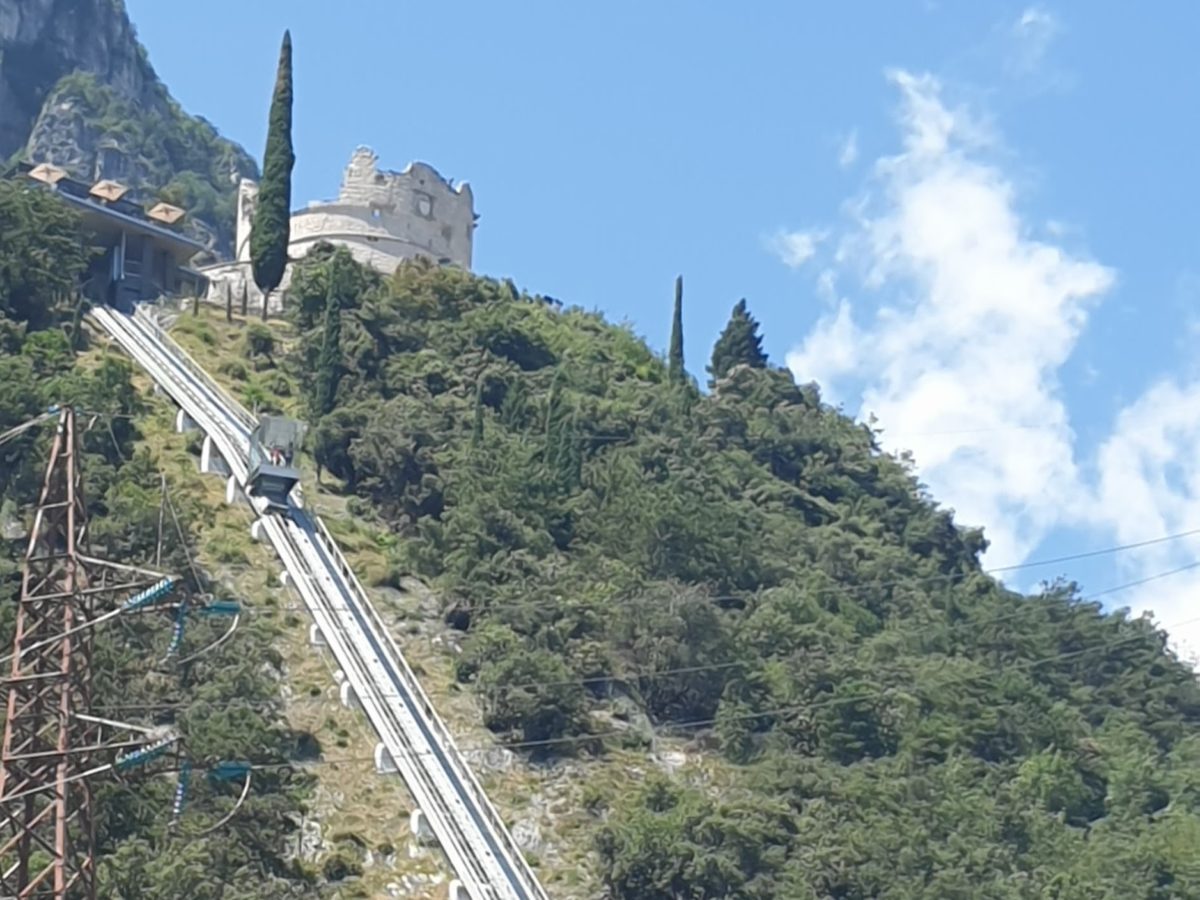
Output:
[[274, 444]]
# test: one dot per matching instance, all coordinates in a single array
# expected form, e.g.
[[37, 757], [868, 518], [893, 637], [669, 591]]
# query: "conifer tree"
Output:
[[513, 408], [561, 451], [272, 215], [739, 344], [329, 361], [675, 370], [477, 425]]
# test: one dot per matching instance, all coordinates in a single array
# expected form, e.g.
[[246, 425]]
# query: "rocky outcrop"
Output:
[[78, 90], [43, 40]]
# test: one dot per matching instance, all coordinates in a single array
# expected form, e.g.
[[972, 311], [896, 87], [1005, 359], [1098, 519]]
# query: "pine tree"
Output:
[[561, 454], [477, 425], [329, 361], [675, 370], [272, 215], [514, 407], [739, 344]]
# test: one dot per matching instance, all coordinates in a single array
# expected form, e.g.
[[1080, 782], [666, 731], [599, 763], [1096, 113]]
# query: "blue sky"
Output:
[[977, 220]]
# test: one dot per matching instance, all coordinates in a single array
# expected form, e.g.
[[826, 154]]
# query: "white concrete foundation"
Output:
[[256, 530], [183, 422], [211, 462], [384, 764], [232, 491], [347, 696], [418, 824], [315, 638], [456, 891]]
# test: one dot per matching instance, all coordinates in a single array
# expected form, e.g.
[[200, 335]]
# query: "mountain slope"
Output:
[[78, 90], [740, 589]]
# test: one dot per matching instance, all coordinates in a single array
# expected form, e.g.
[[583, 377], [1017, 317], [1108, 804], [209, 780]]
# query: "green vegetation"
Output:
[[272, 215], [675, 365], [752, 577], [225, 704], [179, 158], [744, 581], [42, 257], [738, 345]]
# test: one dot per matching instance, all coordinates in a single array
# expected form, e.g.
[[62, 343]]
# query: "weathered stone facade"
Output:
[[381, 217]]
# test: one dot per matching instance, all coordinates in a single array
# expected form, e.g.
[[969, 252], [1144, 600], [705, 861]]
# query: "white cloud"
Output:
[[795, 248], [1031, 36], [1149, 484], [958, 359], [975, 319], [849, 151]]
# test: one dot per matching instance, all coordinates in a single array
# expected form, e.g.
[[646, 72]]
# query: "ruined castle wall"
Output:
[[381, 217], [416, 206], [376, 240]]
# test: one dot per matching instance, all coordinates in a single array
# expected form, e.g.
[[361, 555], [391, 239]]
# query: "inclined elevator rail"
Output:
[[476, 841]]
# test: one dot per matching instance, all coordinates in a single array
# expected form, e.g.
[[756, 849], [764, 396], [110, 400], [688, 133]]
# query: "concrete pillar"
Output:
[[210, 458], [418, 824], [384, 764], [347, 696], [256, 530], [285, 578], [184, 422], [233, 491], [456, 891], [315, 638]]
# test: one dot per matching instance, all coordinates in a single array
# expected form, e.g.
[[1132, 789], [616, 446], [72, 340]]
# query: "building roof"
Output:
[[91, 201]]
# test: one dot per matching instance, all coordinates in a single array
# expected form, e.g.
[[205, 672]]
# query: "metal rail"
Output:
[[476, 841]]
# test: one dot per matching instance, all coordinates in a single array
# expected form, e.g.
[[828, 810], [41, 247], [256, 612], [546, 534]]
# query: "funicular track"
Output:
[[476, 841]]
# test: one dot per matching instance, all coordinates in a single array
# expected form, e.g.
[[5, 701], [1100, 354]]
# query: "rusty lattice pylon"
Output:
[[51, 742]]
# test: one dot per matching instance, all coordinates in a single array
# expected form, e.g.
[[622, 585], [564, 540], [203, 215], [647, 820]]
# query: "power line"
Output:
[[632, 674], [653, 674], [705, 722], [854, 590], [1120, 548]]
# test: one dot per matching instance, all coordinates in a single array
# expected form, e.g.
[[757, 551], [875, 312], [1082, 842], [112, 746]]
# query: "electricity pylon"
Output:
[[52, 744]]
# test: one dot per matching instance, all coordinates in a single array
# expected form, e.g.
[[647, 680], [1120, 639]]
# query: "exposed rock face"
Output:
[[43, 40], [77, 89]]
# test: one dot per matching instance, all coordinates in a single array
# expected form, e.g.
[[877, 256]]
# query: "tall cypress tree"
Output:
[[272, 214], [329, 360], [561, 452], [477, 424], [739, 344], [675, 370]]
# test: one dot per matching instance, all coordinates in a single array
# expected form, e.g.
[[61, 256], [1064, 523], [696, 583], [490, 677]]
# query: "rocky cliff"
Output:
[[77, 89]]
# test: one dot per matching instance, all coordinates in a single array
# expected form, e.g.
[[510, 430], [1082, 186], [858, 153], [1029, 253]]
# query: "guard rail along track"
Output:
[[479, 846]]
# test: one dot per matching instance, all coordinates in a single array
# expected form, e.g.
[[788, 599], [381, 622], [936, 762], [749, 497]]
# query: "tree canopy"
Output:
[[675, 364], [751, 573], [226, 704], [270, 229], [739, 344]]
